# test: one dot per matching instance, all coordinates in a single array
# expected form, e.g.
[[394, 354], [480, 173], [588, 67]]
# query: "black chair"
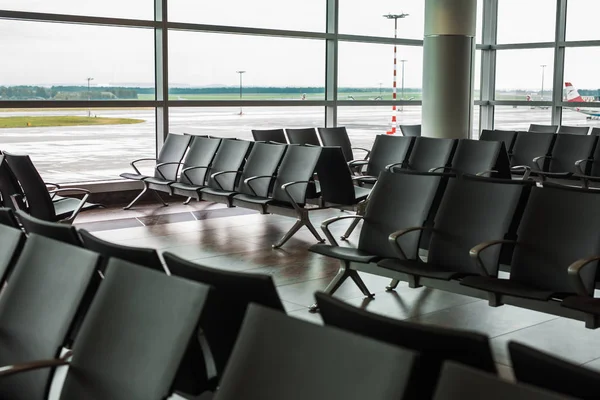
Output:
[[507, 137], [230, 156], [264, 159], [171, 154], [269, 135], [303, 136], [339, 137], [434, 344], [387, 150], [568, 154], [12, 240], [398, 199], [411, 130], [223, 316], [574, 130], [595, 131], [551, 237], [459, 382], [460, 223], [133, 337], [542, 128], [137, 255], [476, 157], [7, 217], [588, 169], [427, 153], [53, 230], [543, 370], [312, 362], [39, 201], [529, 146], [37, 309], [290, 192], [11, 194]]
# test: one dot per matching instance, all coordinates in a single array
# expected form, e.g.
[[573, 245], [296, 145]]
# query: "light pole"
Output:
[[380, 83], [241, 73], [403, 61], [395, 17], [89, 97], [543, 69]]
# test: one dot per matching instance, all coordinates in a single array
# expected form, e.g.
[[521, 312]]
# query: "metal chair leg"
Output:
[[139, 196], [393, 285], [185, 203], [312, 230], [361, 284], [155, 193], [340, 277], [350, 229], [299, 223]]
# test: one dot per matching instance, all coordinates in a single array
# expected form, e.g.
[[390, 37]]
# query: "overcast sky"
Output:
[[48, 53]]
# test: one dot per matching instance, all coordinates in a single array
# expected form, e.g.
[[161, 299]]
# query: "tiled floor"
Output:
[[240, 240]]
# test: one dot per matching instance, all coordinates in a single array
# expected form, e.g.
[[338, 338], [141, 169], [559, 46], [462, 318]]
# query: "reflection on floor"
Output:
[[238, 240]]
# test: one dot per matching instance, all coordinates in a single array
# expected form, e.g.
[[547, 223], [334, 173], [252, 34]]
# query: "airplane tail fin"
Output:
[[572, 93]]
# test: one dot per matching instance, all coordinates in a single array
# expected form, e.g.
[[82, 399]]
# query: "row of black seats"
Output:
[[471, 224], [114, 326], [573, 130]]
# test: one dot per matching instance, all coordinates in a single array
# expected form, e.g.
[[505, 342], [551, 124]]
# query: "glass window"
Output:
[[477, 76], [207, 66], [64, 151], [581, 19], [134, 9], [524, 74], [366, 71], [526, 21], [367, 18], [581, 116], [228, 122], [56, 60], [581, 71], [476, 132], [479, 31], [306, 15], [518, 118]]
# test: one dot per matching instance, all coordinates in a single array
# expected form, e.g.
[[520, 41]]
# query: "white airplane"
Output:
[[574, 96]]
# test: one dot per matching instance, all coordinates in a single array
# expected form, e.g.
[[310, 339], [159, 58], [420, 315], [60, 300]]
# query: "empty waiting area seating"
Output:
[[427, 154], [565, 158], [574, 130], [410, 130], [507, 137], [387, 150], [303, 136], [527, 147], [62, 232], [269, 135], [479, 157], [543, 128], [339, 137]]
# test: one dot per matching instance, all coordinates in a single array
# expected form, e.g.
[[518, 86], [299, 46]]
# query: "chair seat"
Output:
[[185, 186], [135, 177], [158, 181], [246, 198], [343, 253], [419, 268], [506, 286], [218, 192], [583, 303], [64, 207], [361, 193]]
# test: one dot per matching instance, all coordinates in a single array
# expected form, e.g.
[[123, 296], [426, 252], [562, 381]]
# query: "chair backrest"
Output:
[[200, 154], [475, 156], [593, 168], [411, 130], [36, 193], [428, 153], [7, 217], [529, 145], [303, 136], [134, 335], [298, 164], [136, 255], [12, 240], [224, 314], [279, 357], [508, 137], [595, 131], [9, 186], [434, 344], [461, 223], [53, 230], [269, 135], [337, 137], [554, 214], [231, 156], [264, 159], [459, 382], [574, 130], [542, 128], [335, 177], [38, 307], [543, 370], [172, 151], [568, 149], [388, 149], [398, 201]]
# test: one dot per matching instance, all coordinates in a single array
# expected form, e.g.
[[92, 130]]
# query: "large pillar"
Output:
[[448, 54]]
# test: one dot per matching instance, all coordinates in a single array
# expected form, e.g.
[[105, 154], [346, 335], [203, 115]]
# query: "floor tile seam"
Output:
[[474, 300], [526, 327]]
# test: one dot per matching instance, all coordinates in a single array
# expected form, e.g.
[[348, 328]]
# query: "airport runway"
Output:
[[92, 153]]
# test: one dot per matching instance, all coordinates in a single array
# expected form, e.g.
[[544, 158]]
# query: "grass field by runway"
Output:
[[46, 121]]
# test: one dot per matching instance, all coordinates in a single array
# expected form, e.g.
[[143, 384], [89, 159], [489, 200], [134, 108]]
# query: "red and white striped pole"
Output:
[[394, 121]]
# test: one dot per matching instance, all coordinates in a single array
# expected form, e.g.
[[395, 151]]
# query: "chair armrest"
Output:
[[253, 178], [325, 226], [444, 168], [537, 159], [79, 206], [137, 171], [525, 168], [69, 190], [393, 239], [159, 166], [363, 149], [363, 178], [34, 365], [574, 271], [475, 253], [489, 171], [285, 187], [357, 163], [214, 176], [390, 167], [185, 170], [578, 165], [56, 185]]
